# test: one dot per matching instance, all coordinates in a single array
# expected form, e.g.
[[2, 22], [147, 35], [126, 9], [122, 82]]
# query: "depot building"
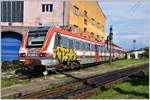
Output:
[[17, 17]]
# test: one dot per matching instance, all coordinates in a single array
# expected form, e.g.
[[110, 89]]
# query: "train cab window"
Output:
[[64, 41], [77, 45], [71, 43], [36, 37], [57, 40]]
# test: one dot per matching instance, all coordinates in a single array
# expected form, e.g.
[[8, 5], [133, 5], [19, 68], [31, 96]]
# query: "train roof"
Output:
[[76, 35], [118, 47], [115, 45], [45, 28], [72, 34]]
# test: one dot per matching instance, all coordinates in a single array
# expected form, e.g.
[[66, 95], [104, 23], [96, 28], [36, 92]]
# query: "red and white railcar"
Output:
[[39, 44]]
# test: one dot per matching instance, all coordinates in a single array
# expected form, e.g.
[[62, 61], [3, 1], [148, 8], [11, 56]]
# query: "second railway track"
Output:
[[85, 86]]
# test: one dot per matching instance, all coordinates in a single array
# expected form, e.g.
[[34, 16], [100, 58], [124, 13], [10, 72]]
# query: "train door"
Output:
[[84, 52], [96, 53]]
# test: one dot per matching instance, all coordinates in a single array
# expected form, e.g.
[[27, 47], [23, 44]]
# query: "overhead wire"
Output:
[[134, 7]]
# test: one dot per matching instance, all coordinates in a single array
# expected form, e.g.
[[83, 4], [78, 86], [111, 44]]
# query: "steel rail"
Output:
[[89, 83]]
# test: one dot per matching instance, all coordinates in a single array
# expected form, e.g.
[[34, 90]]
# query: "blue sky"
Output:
[[130, 21]]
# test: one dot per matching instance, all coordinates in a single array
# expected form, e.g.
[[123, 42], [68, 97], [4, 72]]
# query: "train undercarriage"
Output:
[[34, 69]]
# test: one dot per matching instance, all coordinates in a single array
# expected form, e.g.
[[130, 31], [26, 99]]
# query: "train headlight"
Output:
[[22, 54], [42, 54]]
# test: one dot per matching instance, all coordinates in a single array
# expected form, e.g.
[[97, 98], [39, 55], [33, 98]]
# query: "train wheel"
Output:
[[69, 65], [20, 73], [65, 67], [76, 64]]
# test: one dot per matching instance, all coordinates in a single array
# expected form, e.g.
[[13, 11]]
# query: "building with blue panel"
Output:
[[19, 16], [10, 44]]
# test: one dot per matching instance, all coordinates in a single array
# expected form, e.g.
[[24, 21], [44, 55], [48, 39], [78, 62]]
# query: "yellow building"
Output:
[[87, 17], [19, 16]]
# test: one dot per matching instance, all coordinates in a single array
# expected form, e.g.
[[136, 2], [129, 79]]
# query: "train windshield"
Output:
[[36, 37]]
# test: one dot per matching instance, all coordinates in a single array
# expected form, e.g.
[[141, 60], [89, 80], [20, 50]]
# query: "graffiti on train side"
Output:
[[64, 54]]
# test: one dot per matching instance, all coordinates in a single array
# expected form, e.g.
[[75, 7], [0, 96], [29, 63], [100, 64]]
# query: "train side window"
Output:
[[77, 45], [93, 47], [82, 46], [102, 48], [86, 46], [98, 48], [89, 45], [71, 43], [64, 41], [87, 49]]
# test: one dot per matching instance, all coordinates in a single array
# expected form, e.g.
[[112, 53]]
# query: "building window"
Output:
[[102, 28], [97, 36], [92, 21], [76, 10], [47, 7], [85, 13], [75, 28], [92, 34], [12, 11], [85, 21], [84, 30], [98, 25]]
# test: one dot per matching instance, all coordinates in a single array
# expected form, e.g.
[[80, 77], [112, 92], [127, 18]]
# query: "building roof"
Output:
[[101, 10]]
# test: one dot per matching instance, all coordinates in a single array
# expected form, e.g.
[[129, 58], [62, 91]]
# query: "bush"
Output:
[[10, 65], [146, 53]]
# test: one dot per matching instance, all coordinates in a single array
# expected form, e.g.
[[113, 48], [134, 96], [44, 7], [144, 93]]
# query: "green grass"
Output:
[[120, 63], [131, 89], [50, 85], [10, 82]]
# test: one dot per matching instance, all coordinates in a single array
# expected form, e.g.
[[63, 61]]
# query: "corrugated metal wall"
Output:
[[10, 44]]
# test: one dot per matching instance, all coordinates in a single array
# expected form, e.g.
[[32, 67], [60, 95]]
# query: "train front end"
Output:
[[37, 47]]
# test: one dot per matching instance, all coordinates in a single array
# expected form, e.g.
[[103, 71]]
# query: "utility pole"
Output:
[[109, 40], [134, 41]]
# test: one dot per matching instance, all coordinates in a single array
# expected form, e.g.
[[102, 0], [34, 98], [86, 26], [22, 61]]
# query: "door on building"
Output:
[[10, 44]]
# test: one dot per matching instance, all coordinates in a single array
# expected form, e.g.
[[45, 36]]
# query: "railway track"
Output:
[[82, 88]]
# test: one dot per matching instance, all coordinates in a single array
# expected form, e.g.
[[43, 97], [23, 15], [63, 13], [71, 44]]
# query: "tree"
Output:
[[146, 53]]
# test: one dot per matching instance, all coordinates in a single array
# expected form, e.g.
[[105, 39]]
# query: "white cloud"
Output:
[[129, 22]]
